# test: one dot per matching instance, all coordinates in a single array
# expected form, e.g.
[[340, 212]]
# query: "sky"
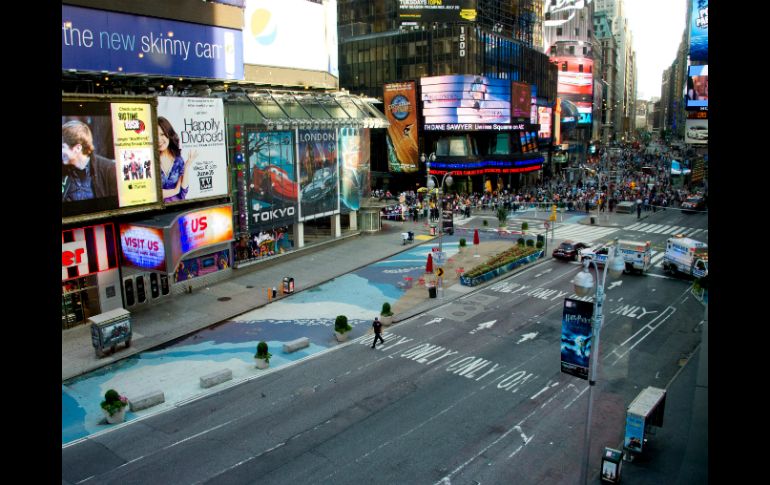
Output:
[[657, 27]]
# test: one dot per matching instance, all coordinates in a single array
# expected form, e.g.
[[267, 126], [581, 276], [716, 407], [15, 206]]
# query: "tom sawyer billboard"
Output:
[[318, 174], [272, 179]]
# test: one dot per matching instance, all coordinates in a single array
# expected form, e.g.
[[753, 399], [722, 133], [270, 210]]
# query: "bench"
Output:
[[296, 344], [146, 400], [218, 377]]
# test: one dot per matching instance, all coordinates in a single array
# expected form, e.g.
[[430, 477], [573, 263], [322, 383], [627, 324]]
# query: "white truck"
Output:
[[636, 254], [687, 256]]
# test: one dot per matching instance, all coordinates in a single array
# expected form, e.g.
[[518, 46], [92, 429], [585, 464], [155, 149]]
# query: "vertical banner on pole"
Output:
[[576, 336]]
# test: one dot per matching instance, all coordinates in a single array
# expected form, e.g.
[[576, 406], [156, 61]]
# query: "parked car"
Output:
[[694, 203], [568, 250], [598, 253]]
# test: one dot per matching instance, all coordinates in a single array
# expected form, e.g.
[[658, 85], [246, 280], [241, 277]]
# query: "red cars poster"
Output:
[[271, 179]]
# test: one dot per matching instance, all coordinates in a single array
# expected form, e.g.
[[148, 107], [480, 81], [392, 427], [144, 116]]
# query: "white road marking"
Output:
[[435, 320], [527, 336], [482, 326], [614, 284]]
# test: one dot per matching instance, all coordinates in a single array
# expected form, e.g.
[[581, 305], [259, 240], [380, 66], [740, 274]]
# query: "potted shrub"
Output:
[[114, 406], [341, 328], [262, 357], [539, 245], [530, 243], [484, 222], [463, 242], [524, 227], [520, 241], [386, 316]]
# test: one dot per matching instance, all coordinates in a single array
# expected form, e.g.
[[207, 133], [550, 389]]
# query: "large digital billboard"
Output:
[[143, 247], [318, 174], [427, 11], [698, 87], [696, 132], [521, 100], [466, 99], [97, 40], [191, 144], [272, 179], [108, 157], [400, 101], [699, 31], [354, 167], [544, 116], [199, 229], [575, 75], [297, 34]]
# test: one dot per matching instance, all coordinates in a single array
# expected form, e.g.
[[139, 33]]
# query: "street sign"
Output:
[[547, 225], [440, 272], [439, 257]]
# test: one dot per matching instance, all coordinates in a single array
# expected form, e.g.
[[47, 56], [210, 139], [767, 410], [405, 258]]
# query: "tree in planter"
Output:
[[114, 406], [520, 241], [502, 216], [386, 316], [262, 357], [341, 327], [539, 245], [530, 243], [485, 223], [463, 242], [524, 227]]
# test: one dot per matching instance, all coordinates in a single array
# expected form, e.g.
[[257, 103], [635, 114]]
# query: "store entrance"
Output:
[[79, 301]]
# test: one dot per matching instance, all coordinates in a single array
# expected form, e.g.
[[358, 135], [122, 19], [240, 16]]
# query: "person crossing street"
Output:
[[377, 326]]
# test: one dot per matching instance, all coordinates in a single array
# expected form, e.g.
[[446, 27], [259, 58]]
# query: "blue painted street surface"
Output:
[[175, 368]]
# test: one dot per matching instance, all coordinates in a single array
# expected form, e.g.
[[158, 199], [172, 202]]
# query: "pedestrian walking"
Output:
[[638, 209], [377, 326]]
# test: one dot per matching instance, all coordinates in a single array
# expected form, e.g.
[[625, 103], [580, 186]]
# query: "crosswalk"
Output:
[[666, 229]]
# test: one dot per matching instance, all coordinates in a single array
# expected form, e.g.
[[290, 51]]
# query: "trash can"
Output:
[[109, 329], [432, 291], [612, 460], [275, 292], [593, 220], [433, 229], [288, 285]]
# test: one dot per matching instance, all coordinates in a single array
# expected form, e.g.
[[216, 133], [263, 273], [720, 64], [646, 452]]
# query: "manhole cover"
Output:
[[469, 308], [224, 298], [249, 286], [459, 314]]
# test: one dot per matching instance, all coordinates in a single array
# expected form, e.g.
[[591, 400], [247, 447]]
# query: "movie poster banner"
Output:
[[401, 111], [108, 160], [191, 143], [272, 179], [576, 337], [318, 174], [699, 31], [354, 167], [133, 138]]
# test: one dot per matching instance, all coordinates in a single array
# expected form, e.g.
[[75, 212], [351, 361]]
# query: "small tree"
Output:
[[262, 352], [485, 223], [463, 242], [502, 215], [524, 227], [385, 312], [341, 324], [520, 241], [539, 245], [530, 242]]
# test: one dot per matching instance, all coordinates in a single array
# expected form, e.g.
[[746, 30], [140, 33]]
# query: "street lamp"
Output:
[[584, 284], [431, 183]]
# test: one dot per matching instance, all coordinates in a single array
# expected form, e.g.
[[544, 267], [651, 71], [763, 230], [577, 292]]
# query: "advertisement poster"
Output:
[[354, 167], [521, 100], [143, 247], [318, 174], [400, 101], [634, 437], [696, 132], [699, 31], [191, 144], [467, 99], [421, 11], [698, 87], [272, 179], [98, 40], [205, 228], [100, 140], [87, 250], [201, 266], [133, 139], [268, 243], [544, 118], [576, 337]]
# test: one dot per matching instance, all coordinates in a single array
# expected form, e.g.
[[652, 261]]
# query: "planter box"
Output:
[[477, 280]]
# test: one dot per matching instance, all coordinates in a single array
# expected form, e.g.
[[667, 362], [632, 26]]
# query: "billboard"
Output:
[[191, 146], [521, 100], [696, 132], [354, 167], [466, 99], [576, 337], [271, 178], [575, 76], [97, 40], [270, 34], [318, 174], [544, 115], [198, 229], [699, 31], [143, 247], [108, 156], [87, 250], [698, 87], [427, 11], [401, 111]]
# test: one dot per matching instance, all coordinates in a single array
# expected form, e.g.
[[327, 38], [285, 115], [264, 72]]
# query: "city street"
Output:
[[470, 391]]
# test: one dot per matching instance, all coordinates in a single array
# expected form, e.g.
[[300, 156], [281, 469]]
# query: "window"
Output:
[[572, 50], [580, 67], [558, 31], [499, 145], [577, 32], [564, 66], [585, 50], [454, 146]]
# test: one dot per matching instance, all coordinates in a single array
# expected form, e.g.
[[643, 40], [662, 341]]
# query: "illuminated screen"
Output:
[[698, 87], [466, 99]]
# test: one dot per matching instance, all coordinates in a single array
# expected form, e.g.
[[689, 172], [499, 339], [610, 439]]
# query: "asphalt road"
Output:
[[470, 392]]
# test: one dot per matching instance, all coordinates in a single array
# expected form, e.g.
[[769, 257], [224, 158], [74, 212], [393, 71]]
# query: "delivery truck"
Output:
[[686, 256], [636, 254]]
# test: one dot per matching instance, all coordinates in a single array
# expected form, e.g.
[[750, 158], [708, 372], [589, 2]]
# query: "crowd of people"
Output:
[[641, 176]]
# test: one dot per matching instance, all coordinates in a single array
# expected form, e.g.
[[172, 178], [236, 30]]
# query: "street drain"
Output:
[[249, 286], [224, 298], [459, 314]]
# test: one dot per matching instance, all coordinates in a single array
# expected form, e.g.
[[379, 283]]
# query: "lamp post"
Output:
[[431, 183], [584, 284]]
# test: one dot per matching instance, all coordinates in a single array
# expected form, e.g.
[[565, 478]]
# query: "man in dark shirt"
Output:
[[85, 175], [377, 326]]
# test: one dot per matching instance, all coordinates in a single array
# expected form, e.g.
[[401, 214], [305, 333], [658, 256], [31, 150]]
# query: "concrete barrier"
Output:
[[218, 377], [297, 344], [145, 401]]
